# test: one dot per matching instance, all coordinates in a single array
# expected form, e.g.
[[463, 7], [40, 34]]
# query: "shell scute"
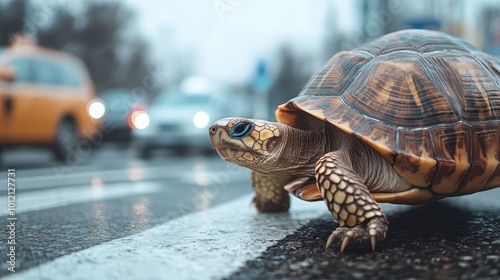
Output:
[[415, 158], [399, 91], [492, 65], [380, 136], [428, 102], [331, 109], [416, 41], [469, 84], [336, 74], [485, 149], [451, 145]]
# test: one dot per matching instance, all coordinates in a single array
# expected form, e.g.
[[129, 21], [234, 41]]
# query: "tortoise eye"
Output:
[[240, 129]]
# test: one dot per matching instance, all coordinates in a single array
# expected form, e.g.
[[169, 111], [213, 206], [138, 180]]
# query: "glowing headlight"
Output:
[[97, 110], [201, 119], [140, 119]]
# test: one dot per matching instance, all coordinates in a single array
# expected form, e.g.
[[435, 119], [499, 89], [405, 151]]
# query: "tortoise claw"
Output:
[[334, 237], [373, 241], [346, 241], [373, 237], [360, 235]]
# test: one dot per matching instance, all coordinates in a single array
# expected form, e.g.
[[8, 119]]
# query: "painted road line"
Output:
[[202, 178], [204, 245], [39, 200], [135, 173]]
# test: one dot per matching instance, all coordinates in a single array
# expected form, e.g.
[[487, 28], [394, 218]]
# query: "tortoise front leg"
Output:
[[361, 219], [270, 196]]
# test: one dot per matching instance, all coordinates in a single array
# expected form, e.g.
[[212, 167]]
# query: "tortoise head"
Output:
[[246, 142]]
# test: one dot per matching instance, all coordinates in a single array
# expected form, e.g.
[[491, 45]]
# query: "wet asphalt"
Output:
[[48, 233], [456, 238]]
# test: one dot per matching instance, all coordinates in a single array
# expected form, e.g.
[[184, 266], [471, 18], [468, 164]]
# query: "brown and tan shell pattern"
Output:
[[427, 101]]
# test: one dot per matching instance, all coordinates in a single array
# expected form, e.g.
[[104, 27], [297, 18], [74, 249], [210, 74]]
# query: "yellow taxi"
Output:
[[46, 99]]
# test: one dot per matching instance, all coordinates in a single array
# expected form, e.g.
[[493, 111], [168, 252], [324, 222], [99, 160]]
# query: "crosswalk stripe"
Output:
[[210, 244], [32, 181], [45, 199]]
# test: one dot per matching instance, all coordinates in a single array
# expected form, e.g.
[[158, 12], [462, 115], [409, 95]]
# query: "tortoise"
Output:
[[409, 118]]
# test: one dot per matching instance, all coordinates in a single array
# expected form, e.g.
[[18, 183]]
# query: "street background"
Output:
[[145, 196]]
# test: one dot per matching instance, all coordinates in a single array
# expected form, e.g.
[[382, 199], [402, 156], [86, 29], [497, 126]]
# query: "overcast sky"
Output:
[[225, 40]]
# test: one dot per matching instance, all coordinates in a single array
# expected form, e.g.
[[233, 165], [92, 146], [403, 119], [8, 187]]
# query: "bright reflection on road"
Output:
[[134, 174], [203, 199], [96, 183], [141, 211], [202, 179], [140, 208], [99, 212], [201, 174]]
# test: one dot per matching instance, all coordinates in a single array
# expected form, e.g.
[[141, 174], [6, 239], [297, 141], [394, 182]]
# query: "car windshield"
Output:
[[183, 99], [120, 99], [115, 94]]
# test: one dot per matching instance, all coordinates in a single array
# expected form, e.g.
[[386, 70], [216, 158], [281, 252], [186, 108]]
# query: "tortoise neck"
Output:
[[299, 151]]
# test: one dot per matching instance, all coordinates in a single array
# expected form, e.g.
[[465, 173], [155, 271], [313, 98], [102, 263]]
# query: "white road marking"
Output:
[[203, 245], [51, 180], [45, 199], [32, 179]]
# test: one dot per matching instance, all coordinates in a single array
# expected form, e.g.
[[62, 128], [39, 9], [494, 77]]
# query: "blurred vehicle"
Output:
[[118, 103], [46, 99], [179, 118]]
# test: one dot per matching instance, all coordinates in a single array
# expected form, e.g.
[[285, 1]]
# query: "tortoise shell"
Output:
[[428, 102]]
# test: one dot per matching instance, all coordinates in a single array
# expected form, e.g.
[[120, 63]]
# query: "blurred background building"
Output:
[[264, 50], [230, 40]]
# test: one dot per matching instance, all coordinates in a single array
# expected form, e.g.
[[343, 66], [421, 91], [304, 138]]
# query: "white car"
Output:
[[179, 118]]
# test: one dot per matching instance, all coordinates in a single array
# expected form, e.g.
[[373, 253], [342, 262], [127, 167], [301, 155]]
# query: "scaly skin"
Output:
[[348, 199], [284, 159], [270, 196]]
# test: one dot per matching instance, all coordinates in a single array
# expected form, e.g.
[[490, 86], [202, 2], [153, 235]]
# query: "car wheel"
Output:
[[66, 139]]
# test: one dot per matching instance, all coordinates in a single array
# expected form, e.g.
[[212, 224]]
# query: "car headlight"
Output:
[[201, 119], [96, 109], [140, 119]]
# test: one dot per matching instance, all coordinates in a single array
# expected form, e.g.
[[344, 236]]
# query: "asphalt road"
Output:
[[457, 238], [64, 208], [110, 215]]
